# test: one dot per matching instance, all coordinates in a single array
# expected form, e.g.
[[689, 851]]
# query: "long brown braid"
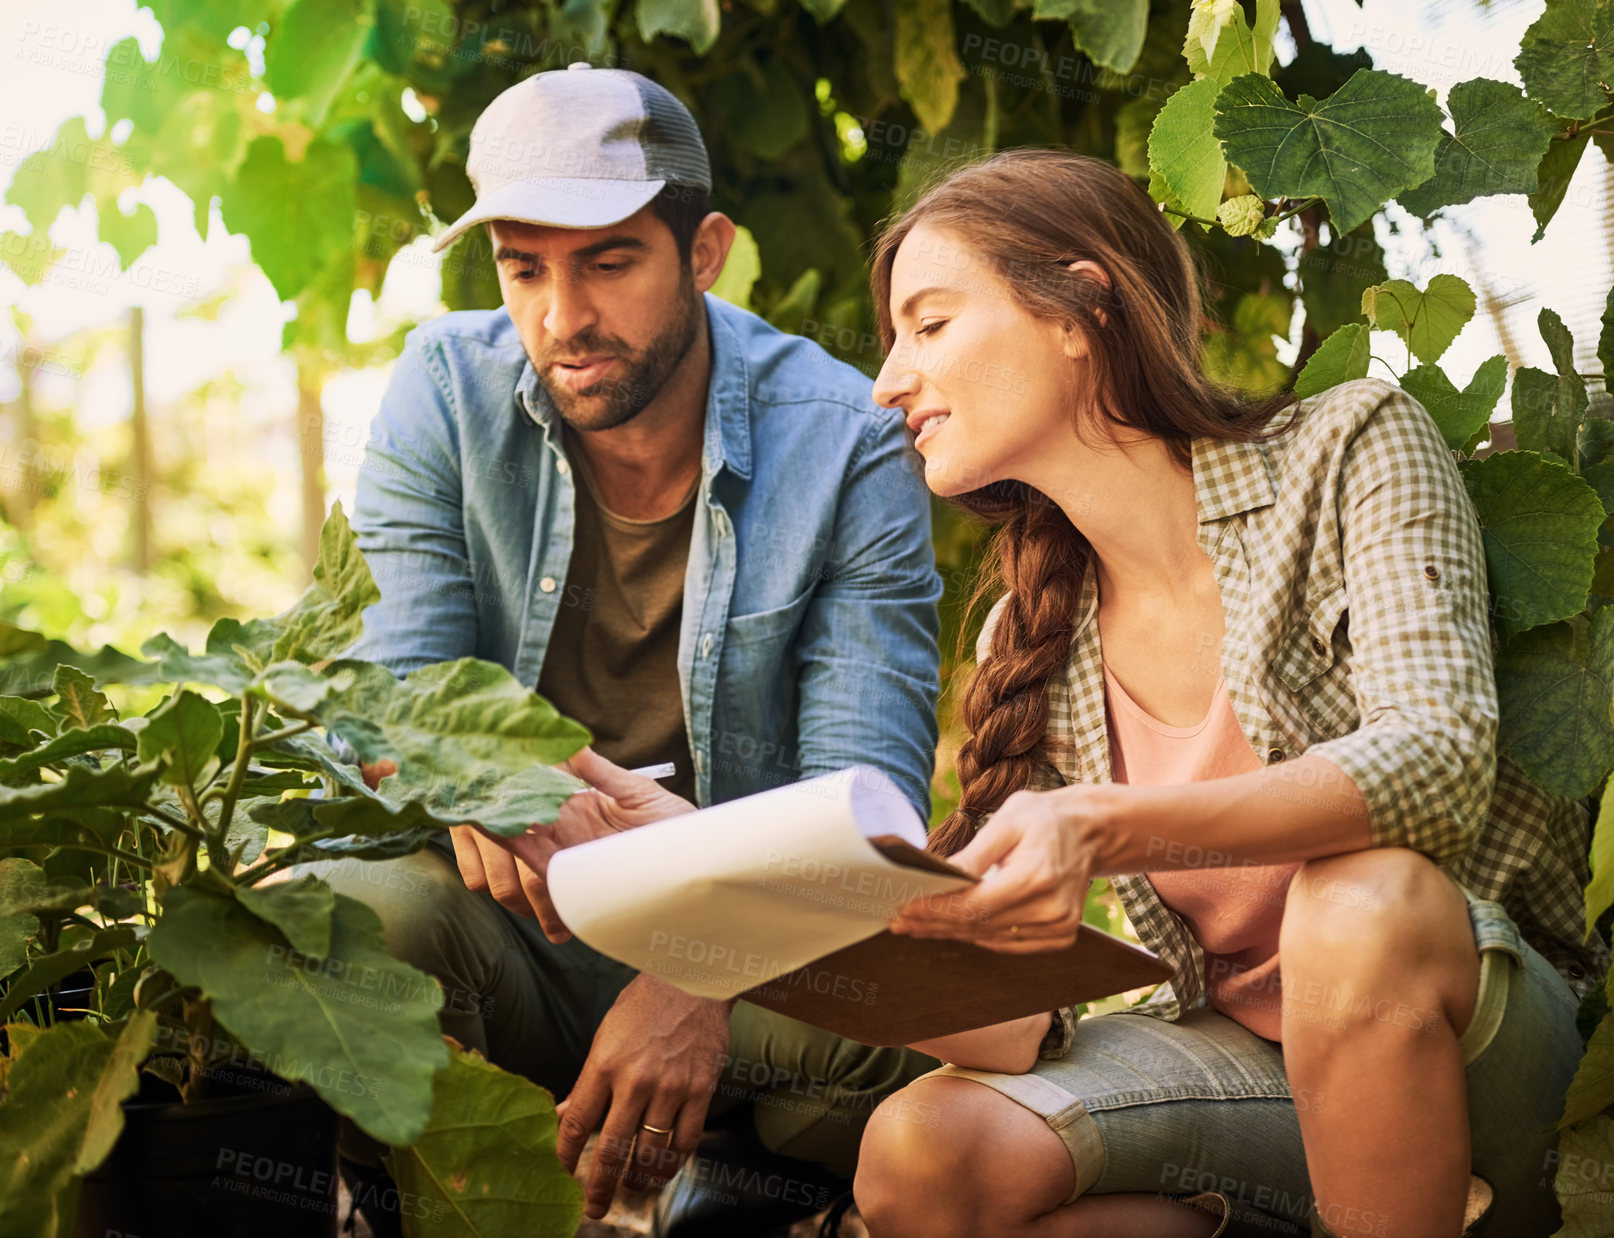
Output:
[[1025, 216]]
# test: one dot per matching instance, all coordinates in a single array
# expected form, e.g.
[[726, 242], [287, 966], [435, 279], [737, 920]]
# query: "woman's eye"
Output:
[[930, 328]]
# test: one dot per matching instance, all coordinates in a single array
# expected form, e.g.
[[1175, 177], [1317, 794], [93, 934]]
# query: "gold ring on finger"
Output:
[[658, 1130]]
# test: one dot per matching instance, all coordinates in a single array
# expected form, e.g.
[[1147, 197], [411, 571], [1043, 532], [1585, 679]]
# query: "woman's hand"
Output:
[[1043, 844]]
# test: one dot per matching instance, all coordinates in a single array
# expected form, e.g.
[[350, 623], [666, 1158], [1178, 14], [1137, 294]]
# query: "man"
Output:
[[688, 530]]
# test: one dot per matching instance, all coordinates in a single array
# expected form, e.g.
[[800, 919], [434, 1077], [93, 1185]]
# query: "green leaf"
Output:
[[62, 1114], [1242, 216], [1110, 31], [742, 269], [47, 969], [326, 620], [298, 215], [360, 1026], [765, 111], [74, 164], [313, 49], [1238, 49], [1497, 142], [1547, 411], [927, 64], [695, 21], [25, 887], [1373, 137], [1605, 341], [1539, 522], [130, 235], [15, 930], [1554, 684], [1600, 890], [300, 908], [1344, 355], [1567, 55], [1556, 171], [21, 719], [1427, 321], [1334, 276], [487, 1161], [1247, 355], [186, 731], [1184, 152], [1584, 1196], [78, 703], [1459, 414], [28, 662], [1592, 1089], [81, 788]]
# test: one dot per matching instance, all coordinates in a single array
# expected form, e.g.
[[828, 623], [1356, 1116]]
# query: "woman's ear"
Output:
[[1085, 268]]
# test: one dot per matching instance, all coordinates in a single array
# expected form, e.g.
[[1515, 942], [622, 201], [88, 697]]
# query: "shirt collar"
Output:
[[728, 396], [1232, 477]]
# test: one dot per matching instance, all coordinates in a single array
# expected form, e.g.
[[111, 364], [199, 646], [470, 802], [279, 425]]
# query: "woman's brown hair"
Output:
[[1027, 215]]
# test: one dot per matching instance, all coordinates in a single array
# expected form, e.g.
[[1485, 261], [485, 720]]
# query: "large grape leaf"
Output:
[[1557, 168], [297, 214], [487, 1162], [61, 1116], [1497, 142], [1459, 414], [359, 1026], [1567, 56], [313, 49], [1184, 152], [1221, 43], [1554, 684], [1344, 355], [1584, 1195], [1539, 522], [1547, 412], [1373, 137], [928, 68], [1110, 31], [695, 21], [1427, 321]]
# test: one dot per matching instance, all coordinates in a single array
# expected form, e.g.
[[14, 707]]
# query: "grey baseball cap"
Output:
[[578, 147]]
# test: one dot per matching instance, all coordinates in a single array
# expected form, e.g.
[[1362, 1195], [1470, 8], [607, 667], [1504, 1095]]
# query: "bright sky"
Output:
[[53, 56]]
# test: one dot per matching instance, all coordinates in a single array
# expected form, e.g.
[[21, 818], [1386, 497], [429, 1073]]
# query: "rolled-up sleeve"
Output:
[[1424, 753]]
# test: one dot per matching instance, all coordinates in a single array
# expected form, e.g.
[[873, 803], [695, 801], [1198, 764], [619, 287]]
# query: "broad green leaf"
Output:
[[742, 269], [74, 164], [1242, 216], [294, 687], [928, 68], [1184, 152], [21, 718], [1426, 321], [313, 49], [1238, 48], [1497, 142], [84, 948], [695, 21], [297, 214], [765, 112], [130, 235], [1373, 137], [1539, 522], [61, 1116], [139, 90], [1206, 20], [28, 662], [1567, 55], [360, 1026], [1344, 355], [1547, 411], [300, 908], [326, 620], [75, 743], [448, 721], [1247, 356], [1584, 1195], [81, 788], [1558, 340], [186, 731], [1592, 1089], [15, 930], [24, 887], [1554, 684], [1110, 31], [1600, 890], [1334, 276], [487, 1161], [1459, 414], [1555, 172], [78, 703], [1596, 443]]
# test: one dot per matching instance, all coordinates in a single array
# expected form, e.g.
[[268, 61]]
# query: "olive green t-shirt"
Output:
[[612, 659]]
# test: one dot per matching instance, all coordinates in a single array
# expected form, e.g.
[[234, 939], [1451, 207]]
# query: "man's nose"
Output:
[[570, 310]]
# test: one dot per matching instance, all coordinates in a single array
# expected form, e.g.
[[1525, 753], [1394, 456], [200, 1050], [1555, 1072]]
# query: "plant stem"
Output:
[[199, 1022], [238, 775], [184, 827], [274, 737], [1304, 204], [1209, 223]]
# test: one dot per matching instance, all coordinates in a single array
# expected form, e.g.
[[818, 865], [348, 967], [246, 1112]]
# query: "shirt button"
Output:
[[1431, 571], [547, 584], [563, 467], [1577, 972], [706, 645], [1274, 755], [1317, 645]]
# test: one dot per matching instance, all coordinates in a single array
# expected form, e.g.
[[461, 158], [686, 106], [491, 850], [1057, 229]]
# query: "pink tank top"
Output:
[[1234, 913]]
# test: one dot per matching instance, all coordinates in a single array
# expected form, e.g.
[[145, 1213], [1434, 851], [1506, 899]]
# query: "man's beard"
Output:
[[638, 377]]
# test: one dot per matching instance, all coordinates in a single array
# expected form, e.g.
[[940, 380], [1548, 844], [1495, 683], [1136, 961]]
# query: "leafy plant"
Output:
[[143, 847]]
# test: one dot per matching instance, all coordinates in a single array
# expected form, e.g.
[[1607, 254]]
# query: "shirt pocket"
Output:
[[1313, 665]]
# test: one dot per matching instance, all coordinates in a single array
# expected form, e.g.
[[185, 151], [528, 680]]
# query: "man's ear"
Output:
[[1086, 268], [709, 249]]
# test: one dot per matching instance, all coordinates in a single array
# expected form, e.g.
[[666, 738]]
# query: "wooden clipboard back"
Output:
[[894, 990]]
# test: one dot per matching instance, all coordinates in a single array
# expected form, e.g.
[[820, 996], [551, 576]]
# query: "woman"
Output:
[[1241, 665]]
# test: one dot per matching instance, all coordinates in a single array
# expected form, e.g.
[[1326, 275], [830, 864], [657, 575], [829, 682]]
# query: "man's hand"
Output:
[[655, 1060], [515, 870]]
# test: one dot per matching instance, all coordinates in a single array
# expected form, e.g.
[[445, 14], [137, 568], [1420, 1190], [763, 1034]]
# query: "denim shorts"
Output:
[[1203, 1104]]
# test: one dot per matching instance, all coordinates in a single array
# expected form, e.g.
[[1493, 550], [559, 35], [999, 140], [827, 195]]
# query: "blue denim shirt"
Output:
[[808, 640]]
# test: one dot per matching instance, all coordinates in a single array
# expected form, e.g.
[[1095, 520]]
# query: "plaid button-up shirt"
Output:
[[1354, 589]]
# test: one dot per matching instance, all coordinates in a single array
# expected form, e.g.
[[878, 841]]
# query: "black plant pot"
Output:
[[257, 1159]]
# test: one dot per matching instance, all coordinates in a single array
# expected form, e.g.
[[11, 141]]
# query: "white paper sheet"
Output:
[[719, 900]]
